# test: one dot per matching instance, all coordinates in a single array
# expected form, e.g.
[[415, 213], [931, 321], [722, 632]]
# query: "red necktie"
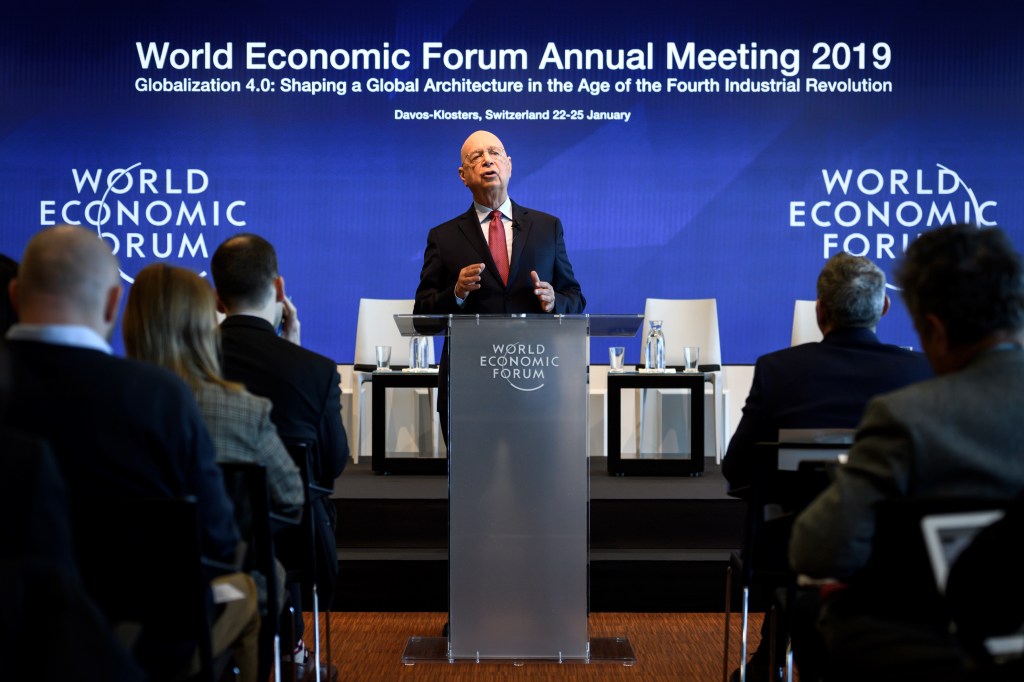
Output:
[[496, 240]]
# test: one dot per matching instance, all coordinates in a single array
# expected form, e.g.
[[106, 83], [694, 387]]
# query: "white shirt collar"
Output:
[[78, 336], [483, 213]]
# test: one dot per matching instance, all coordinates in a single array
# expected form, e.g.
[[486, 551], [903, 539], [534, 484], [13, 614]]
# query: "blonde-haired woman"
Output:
[[170, 320]]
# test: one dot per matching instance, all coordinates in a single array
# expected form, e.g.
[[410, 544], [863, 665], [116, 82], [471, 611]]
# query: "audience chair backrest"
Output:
[[899, 574], [141, 562]]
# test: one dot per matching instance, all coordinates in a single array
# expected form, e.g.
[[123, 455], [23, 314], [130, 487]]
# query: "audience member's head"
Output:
[[68, 276], [964, 288], [170, 320], [245, 273], [851, 294], [8, 271]]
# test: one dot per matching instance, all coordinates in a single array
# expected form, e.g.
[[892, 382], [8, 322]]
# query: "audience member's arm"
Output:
[[332, 439], [739, 463], [832, 537]]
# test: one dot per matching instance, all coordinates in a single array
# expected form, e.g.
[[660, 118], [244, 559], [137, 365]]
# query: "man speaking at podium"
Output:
[[496, 258]]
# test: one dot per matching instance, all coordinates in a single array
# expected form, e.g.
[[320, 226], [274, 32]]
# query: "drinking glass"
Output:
[[383, 358]]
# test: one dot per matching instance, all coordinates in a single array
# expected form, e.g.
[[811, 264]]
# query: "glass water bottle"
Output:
[[654, 350]]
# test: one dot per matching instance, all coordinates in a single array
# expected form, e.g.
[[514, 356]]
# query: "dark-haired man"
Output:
[[303, 386], [959, 435]]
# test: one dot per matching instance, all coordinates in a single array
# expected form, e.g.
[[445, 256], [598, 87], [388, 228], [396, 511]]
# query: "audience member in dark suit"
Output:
[[530, 274], [818, 385], [824, 384], [959, 435], [171, 320], [118, 428], [303, 386], [49, 628]]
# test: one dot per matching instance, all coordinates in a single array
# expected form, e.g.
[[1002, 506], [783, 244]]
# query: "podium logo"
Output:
[[146, 214], [522, 365], [877, 212]]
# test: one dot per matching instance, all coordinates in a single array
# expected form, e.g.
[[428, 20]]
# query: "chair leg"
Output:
[[728, 610], [743, 634], [293, 637], [277, 657], [316, 631]]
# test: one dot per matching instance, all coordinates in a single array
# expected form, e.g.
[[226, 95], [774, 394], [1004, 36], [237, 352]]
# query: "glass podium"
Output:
[[518, 489]]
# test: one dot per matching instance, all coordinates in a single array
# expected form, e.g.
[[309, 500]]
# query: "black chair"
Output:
[[898, 577], [141, 563], [772, 504], [299, 549], [246, 484]]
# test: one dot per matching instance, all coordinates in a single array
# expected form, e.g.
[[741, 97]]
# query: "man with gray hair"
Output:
[[957, 437], [828, 383], [818, 385]]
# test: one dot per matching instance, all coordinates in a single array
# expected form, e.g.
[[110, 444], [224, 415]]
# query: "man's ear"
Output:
[[279, 289], [221, 308], [885, 305], [936, 332], [111, 306], [12, 294], [462, 175]]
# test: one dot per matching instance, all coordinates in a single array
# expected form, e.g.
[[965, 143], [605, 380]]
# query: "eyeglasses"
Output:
[[496, 154]]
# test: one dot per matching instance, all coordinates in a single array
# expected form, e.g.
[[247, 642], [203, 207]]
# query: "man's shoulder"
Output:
[[532, 214]]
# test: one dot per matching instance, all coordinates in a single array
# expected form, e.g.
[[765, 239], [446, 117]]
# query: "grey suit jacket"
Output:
[[239, 424], [957, 435]]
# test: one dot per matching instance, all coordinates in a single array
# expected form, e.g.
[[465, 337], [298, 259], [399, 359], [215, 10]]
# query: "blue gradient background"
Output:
[[690, 199]]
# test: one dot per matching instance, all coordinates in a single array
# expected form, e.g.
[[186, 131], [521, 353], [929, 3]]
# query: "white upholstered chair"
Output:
[[805, 323], [689, 322], [376, 326]]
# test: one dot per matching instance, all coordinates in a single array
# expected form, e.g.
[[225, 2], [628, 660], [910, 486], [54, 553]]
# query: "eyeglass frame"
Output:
[[476, 156]]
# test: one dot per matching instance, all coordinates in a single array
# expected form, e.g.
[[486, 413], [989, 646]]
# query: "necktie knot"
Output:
[[497, 244]]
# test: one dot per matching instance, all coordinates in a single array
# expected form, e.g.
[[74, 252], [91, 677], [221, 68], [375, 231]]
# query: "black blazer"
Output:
[[537, 244], [302, 385], [816, 385], [120, 428]]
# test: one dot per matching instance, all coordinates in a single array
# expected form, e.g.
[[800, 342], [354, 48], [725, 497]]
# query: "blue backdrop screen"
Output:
[[720, 151]]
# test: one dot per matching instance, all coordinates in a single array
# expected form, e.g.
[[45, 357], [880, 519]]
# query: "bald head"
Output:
[[68, 275], [486, 168]]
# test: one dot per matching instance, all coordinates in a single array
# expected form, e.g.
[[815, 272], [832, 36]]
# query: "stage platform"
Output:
[[657, 543]]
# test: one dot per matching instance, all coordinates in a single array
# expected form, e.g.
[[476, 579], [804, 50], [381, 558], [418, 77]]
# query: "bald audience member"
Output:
[[118, 429]]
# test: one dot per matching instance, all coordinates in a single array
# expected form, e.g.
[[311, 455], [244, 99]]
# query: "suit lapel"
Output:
[[521, 224], [469, 225]]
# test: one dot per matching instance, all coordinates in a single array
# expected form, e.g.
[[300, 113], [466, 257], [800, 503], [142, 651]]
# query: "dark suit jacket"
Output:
[[304, 389], [537, 244], [302, 385], [120, 428], [816, 385]]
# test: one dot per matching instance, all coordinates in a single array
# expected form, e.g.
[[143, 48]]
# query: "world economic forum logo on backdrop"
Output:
[[877, 212], [147, 214], [522, 365]]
